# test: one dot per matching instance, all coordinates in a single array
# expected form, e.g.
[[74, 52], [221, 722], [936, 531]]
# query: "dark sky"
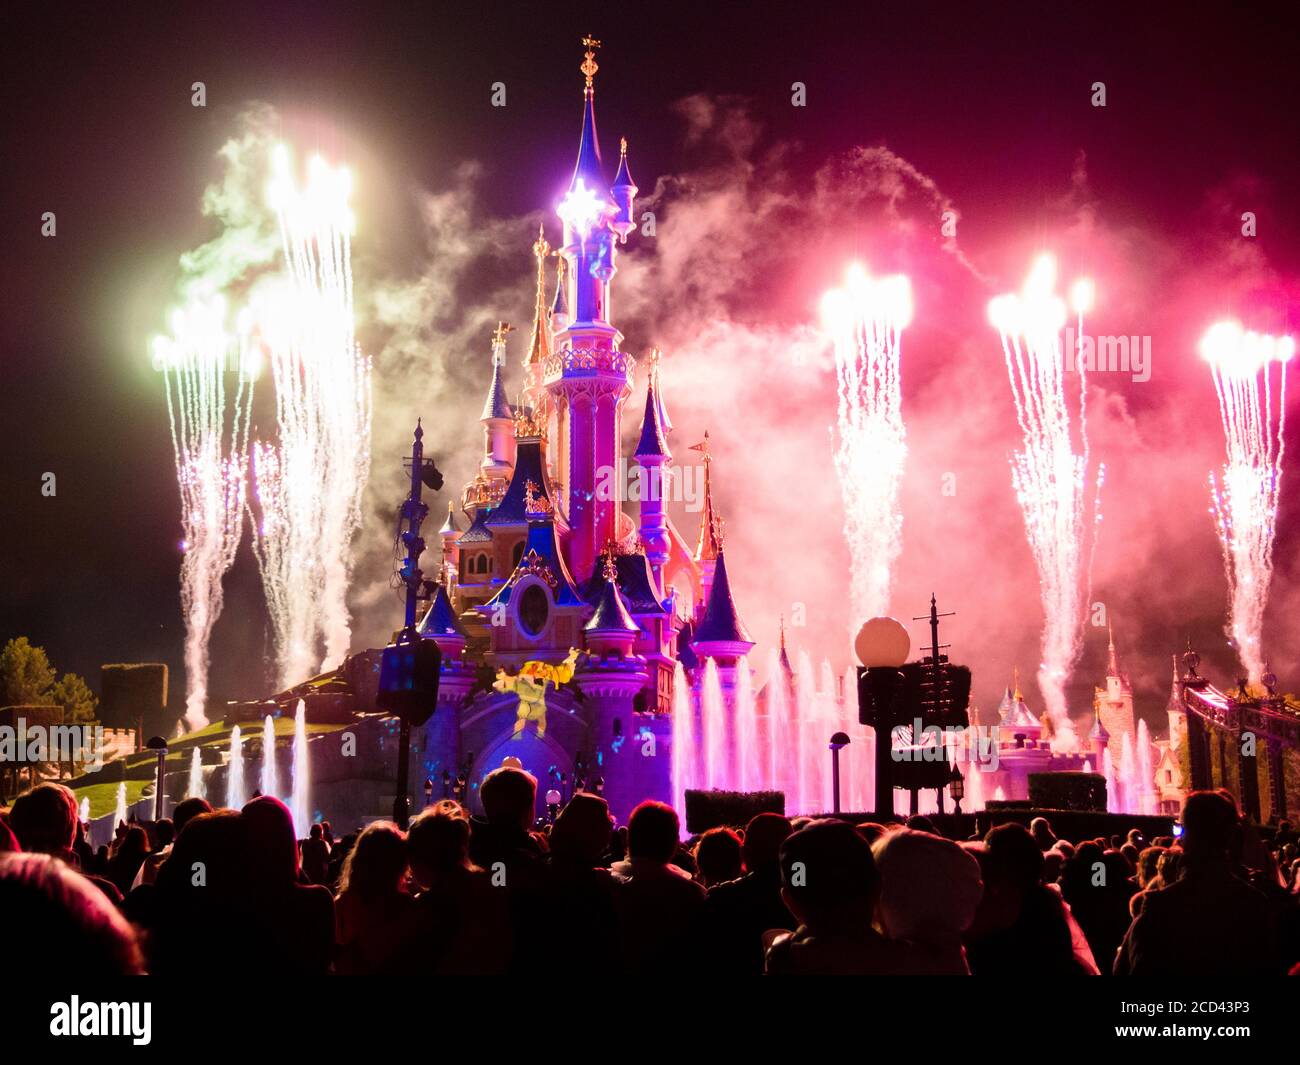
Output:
[[989, 100]]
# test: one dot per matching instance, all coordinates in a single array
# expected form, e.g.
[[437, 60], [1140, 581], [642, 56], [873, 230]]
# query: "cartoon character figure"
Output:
[[530, 686]]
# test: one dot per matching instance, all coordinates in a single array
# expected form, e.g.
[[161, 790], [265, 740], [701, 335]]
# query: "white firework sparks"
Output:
[[1244, 500], [1048, 474], [867, 318], [210, 449], [309, 484]]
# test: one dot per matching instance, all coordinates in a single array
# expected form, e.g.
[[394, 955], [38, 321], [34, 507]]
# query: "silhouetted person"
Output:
[[657, 901], [373, 910], [60, 924], [1097, 886], [737, 913], [830, 884], [931, 888], [1210, 922], [132, 850], [292, 923], [718, 856], [315, 857], [44, 821], [461, 921], [1021, 928]]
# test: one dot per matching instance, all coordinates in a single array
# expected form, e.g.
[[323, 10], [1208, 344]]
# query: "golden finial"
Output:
[[610, 568], [1015, 680], [622, 147], [499, 334], [589, 67], [540, 246]]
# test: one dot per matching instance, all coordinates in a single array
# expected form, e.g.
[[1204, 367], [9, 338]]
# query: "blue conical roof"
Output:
[[496, 405], [721, 623], [653, 441], [611, 614], [440, 619], [589, 167]]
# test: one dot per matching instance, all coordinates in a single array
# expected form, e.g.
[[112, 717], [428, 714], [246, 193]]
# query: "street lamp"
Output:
[[552, 804], [157, 743], [838, 742], [956, 788]]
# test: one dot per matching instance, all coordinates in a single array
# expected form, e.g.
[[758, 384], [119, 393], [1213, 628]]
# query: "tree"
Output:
[[74, 695], [25, 674]]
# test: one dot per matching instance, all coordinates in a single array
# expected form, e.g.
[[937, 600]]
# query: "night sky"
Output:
[[990, 101]]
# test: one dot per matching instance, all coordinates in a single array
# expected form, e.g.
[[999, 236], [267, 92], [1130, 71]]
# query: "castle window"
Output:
[[533, 610]]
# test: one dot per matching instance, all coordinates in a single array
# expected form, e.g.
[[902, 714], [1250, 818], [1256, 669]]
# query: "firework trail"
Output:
[[309, 484], [1244, 500], [866, 319], [210, 450], [1049, 475]]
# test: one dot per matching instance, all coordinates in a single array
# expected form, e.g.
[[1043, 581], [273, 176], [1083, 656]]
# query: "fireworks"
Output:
[[867, 318], [1244, 500], [210, 449], [309, 483], [1048, 474]]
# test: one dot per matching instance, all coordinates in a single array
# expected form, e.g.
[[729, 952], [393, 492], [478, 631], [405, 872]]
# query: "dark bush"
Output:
[[1068, 791], [733, 809]]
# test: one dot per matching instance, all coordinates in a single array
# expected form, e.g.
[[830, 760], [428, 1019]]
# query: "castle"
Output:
[[543, 561]]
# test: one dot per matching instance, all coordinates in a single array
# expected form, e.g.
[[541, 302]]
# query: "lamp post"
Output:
[[957, 789], [552, 804], [157, 743], [838, 742]]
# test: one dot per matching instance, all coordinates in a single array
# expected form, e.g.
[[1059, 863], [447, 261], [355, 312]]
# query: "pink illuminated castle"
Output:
[[544, 560]]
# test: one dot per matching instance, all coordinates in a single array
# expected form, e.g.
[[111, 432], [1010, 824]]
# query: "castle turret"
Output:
[[654, 458], [720, 634], [449, 534], [498, 419], [588, 377], [1114, 703], [1176, 711], [624, 191], [709, 545], [539, 344]]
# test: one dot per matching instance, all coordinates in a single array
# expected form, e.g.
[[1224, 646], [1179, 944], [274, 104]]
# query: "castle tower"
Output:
[[1114, 703], [720, 634], [539, 345], [449, 534], [587, 376], [709, 545], [655, 459], [1176, 712], [498, 419]]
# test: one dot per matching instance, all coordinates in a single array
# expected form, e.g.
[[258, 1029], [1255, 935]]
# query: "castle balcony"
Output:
[[594, 362]]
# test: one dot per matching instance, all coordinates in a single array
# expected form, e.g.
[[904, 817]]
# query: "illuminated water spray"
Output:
[[209, 428], [867, 318], [309, 483], [1049, 475], [1244, 499]]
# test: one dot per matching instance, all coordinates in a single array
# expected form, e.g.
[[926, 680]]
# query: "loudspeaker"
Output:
[[408, 678]]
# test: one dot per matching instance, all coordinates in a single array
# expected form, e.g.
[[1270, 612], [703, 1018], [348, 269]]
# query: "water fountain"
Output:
[[300, 802], [805, 746], [83, 812], [270, 785], [1146, 773], [780, 730], [119, 815], [1128, 789], [236, 795], [714, 726], [195, 789], [1108, 771], [749, 769]]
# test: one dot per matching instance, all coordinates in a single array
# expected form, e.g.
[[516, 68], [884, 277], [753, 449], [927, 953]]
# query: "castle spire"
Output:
[[539, 346], [720, 631], [1112, 660], [496, 406], [589, 171], [654, 440], [709, 545]]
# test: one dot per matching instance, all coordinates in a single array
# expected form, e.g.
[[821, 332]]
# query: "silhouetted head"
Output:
[[718, 855], [763, 838], [272, 843], [1012, 858], [652, 832], [376, 866], [44, 819], [438, 841], [509, 795], [828, 875], [65, 922], [930, 886], [187, 809], [581, 831], [1210, 826]]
